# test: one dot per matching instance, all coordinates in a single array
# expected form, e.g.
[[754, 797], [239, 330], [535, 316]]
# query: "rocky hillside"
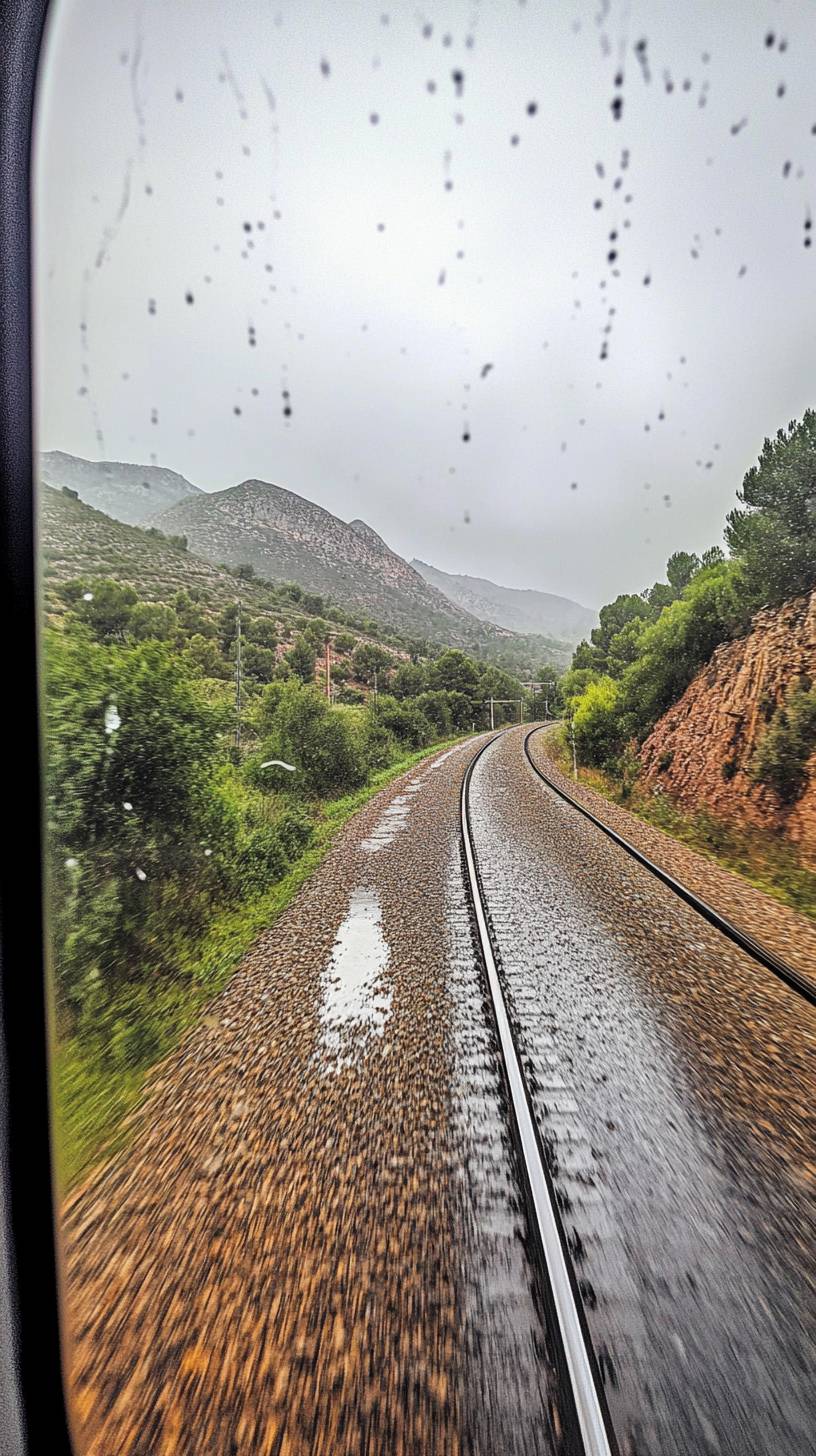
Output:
[[130, 493], [520, 611], [701, 750], [78, 541], [288, 538]]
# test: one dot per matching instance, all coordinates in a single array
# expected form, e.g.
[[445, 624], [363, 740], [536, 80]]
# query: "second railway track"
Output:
[[746, 942]]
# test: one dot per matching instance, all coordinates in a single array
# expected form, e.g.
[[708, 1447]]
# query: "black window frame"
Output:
[[31, 1370]]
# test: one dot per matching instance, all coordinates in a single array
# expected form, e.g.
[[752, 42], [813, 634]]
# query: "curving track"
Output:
[[658, 1079], [768, 958]]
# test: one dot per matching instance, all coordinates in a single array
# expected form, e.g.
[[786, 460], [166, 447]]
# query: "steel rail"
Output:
[[594, 1426], [797, 981]]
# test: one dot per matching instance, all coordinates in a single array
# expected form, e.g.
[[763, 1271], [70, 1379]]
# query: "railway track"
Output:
[[589, 1429], [798, 982], [591, 1432]]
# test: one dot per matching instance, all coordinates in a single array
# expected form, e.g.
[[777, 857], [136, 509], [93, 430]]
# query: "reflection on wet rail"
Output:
[[591, 1418], [798, 982]]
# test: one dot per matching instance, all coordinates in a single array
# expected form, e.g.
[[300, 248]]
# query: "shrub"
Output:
[[152, 620], [436, 708], [597, 723], [324, 743], [672, 649], [781, 757], [406, 721]]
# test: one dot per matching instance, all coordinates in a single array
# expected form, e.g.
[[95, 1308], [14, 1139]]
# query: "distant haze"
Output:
[[224, 234]]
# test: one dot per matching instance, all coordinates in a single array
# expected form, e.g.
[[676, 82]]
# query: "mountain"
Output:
[[518, 610], [288, 538], [78, 542], [129, 493]]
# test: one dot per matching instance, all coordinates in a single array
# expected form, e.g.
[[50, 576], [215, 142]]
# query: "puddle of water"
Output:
[[355, 999]]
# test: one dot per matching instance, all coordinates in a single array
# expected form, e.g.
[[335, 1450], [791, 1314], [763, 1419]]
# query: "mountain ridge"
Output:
[[136, 491], [285, 536], [518, 609]]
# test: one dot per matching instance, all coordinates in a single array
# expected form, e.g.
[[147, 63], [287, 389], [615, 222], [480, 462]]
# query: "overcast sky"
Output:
[[229, 152]]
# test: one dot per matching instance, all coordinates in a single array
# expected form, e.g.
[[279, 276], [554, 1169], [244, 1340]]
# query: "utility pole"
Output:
[[521, 710], [238, 674], [328, 670], [375, 682], [492, 725]]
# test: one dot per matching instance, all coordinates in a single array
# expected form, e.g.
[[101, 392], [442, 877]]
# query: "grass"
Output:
[[96, 1099], [763, 858]]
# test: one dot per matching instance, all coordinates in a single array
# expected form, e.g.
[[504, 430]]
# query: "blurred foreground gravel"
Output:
[[313, 1242]]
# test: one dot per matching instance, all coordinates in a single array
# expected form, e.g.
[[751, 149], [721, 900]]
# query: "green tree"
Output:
[[203, 653], [406, 721], [584, 655], [258, 663], [152, 620], [612, 619], [455, 672], [673, 648], [227, 626], [105, 607], [680, 568], [191, 618], [318, 632], [325, 744], [659, 595], [773, 533], [369, 658], [262, 630], [624, 647], [129, 742], [437, 709], [301, 659], [409, 680]]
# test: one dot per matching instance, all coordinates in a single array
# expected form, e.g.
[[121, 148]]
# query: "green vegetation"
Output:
[[648, 646], [168, 850], [171, 844], [168, 847], [781, 756], [99, 1083]]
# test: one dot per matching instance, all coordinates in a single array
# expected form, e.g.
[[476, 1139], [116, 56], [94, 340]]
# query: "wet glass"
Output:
[[424, 416]]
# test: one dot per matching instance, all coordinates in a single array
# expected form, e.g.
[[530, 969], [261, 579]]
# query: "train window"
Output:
[[426, 538]]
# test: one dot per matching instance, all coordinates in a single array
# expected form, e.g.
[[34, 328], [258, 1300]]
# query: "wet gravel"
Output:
[[673, 1081], [791, 935], [313, 1242]]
